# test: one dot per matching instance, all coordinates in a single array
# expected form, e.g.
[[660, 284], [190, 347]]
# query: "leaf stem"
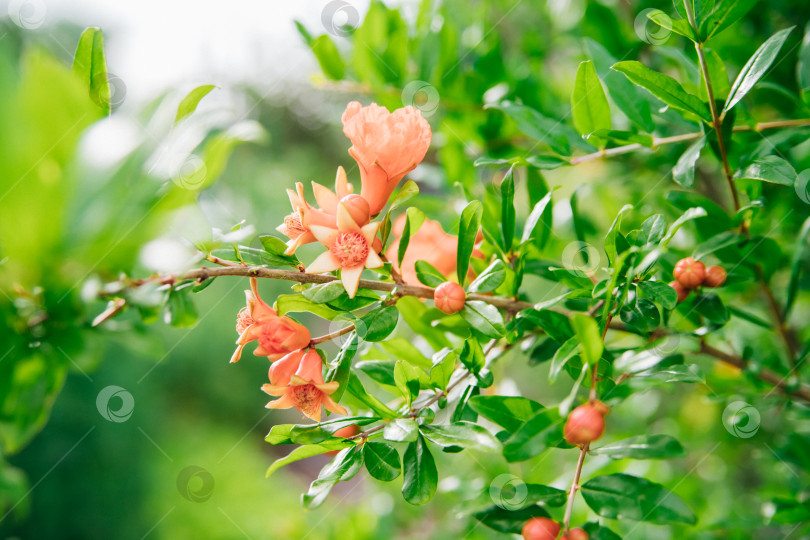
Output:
[[569, 505]]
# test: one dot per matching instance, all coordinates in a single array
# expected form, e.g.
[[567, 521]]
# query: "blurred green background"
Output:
[[80, 214]]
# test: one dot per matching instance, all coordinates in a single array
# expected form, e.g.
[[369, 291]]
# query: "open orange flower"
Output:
[[276, 335], [350, 248], [386, 147], [296, 225], [305, 389], [430, 244]]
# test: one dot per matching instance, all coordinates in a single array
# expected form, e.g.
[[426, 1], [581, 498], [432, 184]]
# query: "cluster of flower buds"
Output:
[[690, 274]]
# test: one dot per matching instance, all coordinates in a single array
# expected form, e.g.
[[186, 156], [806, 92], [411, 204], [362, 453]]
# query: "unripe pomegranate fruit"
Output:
[[575, 534], [689, 272], [682, 291], [585, 424], [449, 297], [540, 528], [357, 207], [715, 276]]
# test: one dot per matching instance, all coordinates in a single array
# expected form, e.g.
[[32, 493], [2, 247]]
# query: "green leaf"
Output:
[[717, 75], [327, 292], [664, 88], [345, 465], [624, 94], [296, 303], [555, 134], [413, 220], [463, 434], [553, 323], [444, 364], [408, 191], [587, 331], [407, 380], [771, 169], [546, 162], [566, 352], [318, 433], [610, 238], [90, 65], [534, 217], [484, 318], [303, 452], [598, 532], [401, 430], [692, 213], [180, 310], [382, 461], [643, 316], [532, 438], [652, 230], [803, 66], [589, 106], [660, 293], [724, 15], [490, 279], [643, 447], [802, 247], [377, 324], [427, 274], [275, 249], [342, 365], [421, 477], [189, 103], [356, 389], [509, 412], [755, 68], [508, 209], [710, 306], [717, 243], [621, 496], [468, 227], [328, 57], [679, 26], [684, 170], [509, 521]]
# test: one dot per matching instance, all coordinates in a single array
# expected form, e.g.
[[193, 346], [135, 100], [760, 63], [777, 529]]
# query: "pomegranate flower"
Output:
[[350, 248], [386, 147], [304, 389], [276, 335], [296, 225]]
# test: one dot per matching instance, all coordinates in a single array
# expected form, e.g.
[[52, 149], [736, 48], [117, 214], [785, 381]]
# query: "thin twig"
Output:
[[569, 505]]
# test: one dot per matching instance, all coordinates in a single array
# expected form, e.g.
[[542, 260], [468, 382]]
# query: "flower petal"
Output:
[[326, 262], [237, 354], [342, 185], [327, 201], [345, 222], [370, 231], [284, 402], [373, 260], [275, 390], [351, 279], [330, 405], [324, 235]]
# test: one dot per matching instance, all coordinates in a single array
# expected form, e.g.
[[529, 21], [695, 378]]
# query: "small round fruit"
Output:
[[682, 291], [689, 272], [539, 528], [585, 424], [358, 208], [575, 534], [449, 297], [715, 276]]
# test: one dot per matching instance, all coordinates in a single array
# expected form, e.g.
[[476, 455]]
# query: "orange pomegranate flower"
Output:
[[305, 389], [350, 248], [276, 335], [386, 147], [296, 225]]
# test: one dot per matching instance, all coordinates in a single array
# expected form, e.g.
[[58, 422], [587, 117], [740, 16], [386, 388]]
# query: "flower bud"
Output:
[[585, 424], [575, 534], [682, 291], [449, 297], [715, 276], [689, 272], [540, 528], [358, 208]]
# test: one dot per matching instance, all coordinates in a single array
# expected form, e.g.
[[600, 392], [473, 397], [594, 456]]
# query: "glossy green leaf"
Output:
[[755, 68], [189, 103], [90, 64], [490, 279], [421, 477], [621, 496], [660, 293], [796, 267], [401, 430], [712, 308], [614, 230], [508, 209], [328, 57], [664, 88], [413, 220], [340, 368], [463, 434], [534, 217], [532, 438], [407, 380], [684, 170], [469, 224], [323, 431], [305, 451], [382, 461], [509, 412], [771, 169], [377, 324], [558, 136], [589, 106], [692, 213], [509, 521], [345, 465], [724, 15], [803, 67], [427, 274], [589, 336], [679, 26], [484, 318], [643, 447]]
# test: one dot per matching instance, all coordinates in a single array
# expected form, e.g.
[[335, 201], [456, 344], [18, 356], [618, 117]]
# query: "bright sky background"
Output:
[[156, 44]]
